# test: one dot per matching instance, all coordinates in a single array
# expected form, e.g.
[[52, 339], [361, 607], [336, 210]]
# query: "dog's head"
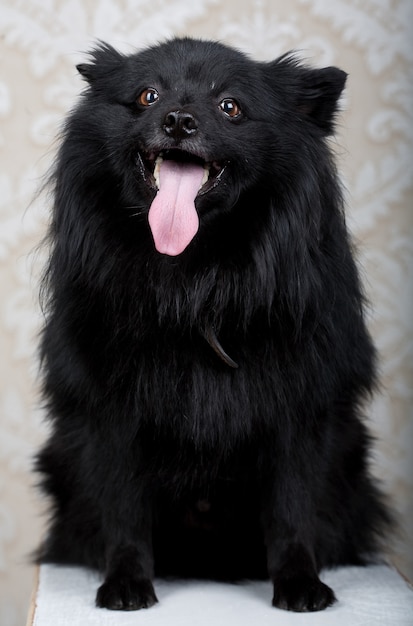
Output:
[[191, 127]]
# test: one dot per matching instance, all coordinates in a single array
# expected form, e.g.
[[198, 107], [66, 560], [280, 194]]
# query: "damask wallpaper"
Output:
[[42, 40]]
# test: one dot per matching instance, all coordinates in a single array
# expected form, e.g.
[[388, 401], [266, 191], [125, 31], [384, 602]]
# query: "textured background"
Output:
[[40, 42]]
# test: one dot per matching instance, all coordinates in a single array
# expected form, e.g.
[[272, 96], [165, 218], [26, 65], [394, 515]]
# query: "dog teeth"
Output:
[[156, 171], [205, 176]]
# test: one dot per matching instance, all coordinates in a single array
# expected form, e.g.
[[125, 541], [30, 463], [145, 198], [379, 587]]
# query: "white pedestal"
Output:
[[64, 596]]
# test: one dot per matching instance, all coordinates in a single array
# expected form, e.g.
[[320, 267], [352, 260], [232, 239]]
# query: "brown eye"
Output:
[[230, 107], [148, 97]]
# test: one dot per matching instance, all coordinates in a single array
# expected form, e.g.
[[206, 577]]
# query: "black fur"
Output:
[[205, 406]]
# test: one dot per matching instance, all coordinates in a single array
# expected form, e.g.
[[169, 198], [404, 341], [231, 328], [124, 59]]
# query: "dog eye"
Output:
[[230, 107], [148, 97]]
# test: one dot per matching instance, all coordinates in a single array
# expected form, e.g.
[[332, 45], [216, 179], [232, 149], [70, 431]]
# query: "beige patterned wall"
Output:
[[40, 42]]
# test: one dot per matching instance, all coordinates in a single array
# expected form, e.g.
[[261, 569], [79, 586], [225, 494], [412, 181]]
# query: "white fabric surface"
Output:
[[366, 597]]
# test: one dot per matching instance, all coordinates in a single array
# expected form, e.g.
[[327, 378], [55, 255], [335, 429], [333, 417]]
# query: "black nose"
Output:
[[180, 124]]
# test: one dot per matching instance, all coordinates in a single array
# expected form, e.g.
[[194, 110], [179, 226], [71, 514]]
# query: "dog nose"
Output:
[[180, 124]]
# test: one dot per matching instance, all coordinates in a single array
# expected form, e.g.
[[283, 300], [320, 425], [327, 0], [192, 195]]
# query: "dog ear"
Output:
[[105, 59], [318, 95], [311, 92]]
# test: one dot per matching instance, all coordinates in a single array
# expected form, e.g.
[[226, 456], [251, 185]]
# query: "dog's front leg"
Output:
[[127, 585], [289, 528], [129, 556]]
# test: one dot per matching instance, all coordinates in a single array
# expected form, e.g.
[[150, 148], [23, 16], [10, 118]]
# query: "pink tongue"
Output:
[[172, 216]]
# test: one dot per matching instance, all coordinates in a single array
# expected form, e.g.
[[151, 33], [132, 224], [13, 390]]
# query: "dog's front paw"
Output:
[[126, 594], [302, 593]]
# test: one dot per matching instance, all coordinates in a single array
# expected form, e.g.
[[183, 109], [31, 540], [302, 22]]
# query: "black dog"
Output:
[[205, 353]]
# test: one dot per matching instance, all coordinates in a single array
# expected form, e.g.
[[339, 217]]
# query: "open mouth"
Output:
[[178, 177], [150, 167]]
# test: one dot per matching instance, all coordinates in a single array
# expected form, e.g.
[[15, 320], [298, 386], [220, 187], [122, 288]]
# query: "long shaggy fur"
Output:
[[165, 458]]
